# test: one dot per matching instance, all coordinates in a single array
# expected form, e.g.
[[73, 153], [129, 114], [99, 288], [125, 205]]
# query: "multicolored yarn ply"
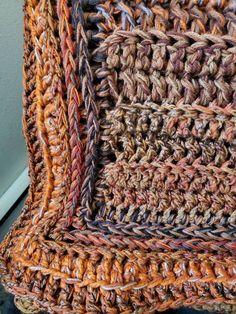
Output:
[[130, 124]]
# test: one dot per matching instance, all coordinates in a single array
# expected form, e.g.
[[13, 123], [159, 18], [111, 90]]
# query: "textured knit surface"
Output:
[[130, 124]]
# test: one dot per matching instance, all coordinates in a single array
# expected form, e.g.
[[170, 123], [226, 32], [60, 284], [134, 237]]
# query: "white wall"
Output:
[[12, 146]]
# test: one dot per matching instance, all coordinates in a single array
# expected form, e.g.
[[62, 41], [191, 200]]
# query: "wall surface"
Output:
[[12, 146]]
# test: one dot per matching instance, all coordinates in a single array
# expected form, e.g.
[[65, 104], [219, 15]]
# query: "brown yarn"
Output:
[[129, 119], [228, 309]]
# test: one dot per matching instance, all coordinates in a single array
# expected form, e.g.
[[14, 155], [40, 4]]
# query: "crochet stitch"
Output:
[[129, 119]]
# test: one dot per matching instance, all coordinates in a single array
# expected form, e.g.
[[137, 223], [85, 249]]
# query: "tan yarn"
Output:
[[25, 305], [129, 119]]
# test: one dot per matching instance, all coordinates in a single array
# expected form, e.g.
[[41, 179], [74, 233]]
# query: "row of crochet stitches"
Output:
[[129, 117], [159, 81]]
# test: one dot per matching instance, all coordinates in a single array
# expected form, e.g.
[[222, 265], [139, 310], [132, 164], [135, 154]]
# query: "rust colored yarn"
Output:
[[129, 119]]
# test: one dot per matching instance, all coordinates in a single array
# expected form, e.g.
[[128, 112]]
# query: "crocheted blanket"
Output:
[[130, 124]]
